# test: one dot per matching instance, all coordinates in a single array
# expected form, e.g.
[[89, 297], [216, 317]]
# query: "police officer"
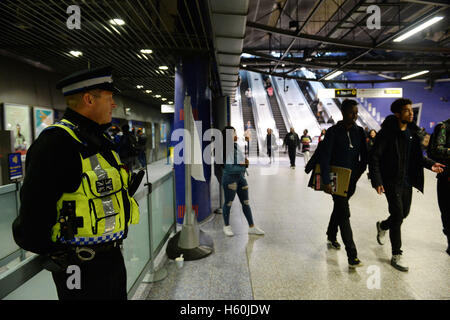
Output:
[[76, 199]]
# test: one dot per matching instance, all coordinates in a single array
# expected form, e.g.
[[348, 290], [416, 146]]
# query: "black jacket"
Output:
[[53, 167], [291, 140], [338, 150], [385, 165]]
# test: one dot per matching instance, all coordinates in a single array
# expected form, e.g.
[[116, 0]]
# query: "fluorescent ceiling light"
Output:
[[76, 53], [117, 22], [333, 75], [163, 99], [163, 67], [139, 86], [157, 96], [146, 51], [148, 91], [415, 75], [419, 28], [170, 102]]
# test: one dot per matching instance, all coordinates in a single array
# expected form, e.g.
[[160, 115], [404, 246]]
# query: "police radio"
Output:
[[69, 221]]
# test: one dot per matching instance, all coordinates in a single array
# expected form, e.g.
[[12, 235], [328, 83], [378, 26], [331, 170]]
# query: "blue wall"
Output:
[[433, 109]]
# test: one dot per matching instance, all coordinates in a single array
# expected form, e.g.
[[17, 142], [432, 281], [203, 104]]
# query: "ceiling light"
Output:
[[115, 30], [333, 75], [146, 51], [163, 67], [419, 28], [117, 22], [163, 99], [415, 75], [157, 96], [244, 65], [282, 64], [170, 102], [148, 91], [76, 53], [139, 86]]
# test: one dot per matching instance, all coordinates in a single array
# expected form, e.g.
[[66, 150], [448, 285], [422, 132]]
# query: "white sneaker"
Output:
[[255, 230], [398, 263], [227, 230]]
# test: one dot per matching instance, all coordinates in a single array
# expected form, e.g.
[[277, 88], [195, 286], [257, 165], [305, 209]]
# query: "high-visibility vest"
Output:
[[101, 204]]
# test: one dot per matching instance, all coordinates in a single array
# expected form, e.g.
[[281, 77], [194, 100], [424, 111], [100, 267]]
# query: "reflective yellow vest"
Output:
[[102, 206]]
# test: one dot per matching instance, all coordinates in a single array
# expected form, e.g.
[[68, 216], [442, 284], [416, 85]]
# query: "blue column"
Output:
[[191, 78]]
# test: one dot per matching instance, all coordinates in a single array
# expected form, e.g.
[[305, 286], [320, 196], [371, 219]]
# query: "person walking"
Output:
[[439, 150], [127, 147], [76, 198], [395, 167], [142, 147], [271, 144], [305, 141], [234, 182], [344, 146], [292, 142]]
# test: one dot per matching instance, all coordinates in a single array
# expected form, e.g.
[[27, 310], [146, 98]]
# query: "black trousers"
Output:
[[103, 278], [292, 154], [340, 218], [399, 199], [443, 192]]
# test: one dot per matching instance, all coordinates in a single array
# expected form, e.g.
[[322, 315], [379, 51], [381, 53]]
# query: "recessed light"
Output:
[[163, 67], [148, 91], [117, 22], [76, 53], [157, 96], [139, 86], [146, 51], [163, 99]]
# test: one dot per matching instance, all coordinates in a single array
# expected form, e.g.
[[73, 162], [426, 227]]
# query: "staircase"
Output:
[[247, 115], [278, 117]]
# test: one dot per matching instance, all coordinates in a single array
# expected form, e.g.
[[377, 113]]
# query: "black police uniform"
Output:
[[53, 167]]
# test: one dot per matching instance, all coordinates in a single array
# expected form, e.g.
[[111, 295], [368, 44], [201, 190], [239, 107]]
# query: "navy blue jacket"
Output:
[[339, 150]]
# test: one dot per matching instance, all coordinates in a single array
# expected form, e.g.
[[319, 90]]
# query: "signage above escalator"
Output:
[[345, 93], [361, 93]]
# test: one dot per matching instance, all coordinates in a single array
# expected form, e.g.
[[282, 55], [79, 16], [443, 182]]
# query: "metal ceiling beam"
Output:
[[347, 43], [390, 38], [325, 81], [299, 31]]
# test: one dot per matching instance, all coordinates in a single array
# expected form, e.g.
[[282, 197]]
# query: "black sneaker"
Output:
[[354, 263], [333, 244]]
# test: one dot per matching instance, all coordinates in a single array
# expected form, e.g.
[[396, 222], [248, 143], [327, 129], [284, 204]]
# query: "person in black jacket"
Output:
[[344, 146], [396, 165], [292, 141], [439, 150]]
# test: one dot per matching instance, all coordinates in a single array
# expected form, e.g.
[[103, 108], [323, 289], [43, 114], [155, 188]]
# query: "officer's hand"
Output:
[[380, 189], [327, 188]]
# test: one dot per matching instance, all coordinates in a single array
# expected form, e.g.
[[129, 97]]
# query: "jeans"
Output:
[[232, 184], [399, 202], [340, 217], [443, 191]]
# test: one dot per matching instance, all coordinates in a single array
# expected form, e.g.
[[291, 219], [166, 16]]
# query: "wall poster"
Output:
[[17, 119], [43, 117]]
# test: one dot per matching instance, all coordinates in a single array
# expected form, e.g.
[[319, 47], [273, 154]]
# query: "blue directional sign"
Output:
[[15, 166]]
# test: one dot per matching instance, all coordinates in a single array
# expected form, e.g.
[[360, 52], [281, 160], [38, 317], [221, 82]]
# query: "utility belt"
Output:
[[76, 255]]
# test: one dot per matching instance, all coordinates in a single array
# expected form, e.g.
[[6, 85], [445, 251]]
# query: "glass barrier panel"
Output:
[[162, 211], [8, 212]]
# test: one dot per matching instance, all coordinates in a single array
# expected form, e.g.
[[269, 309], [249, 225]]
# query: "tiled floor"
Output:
[[292, 261]]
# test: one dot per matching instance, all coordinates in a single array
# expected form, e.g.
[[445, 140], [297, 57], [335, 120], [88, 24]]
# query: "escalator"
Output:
[[247, 114], [278, 117]]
